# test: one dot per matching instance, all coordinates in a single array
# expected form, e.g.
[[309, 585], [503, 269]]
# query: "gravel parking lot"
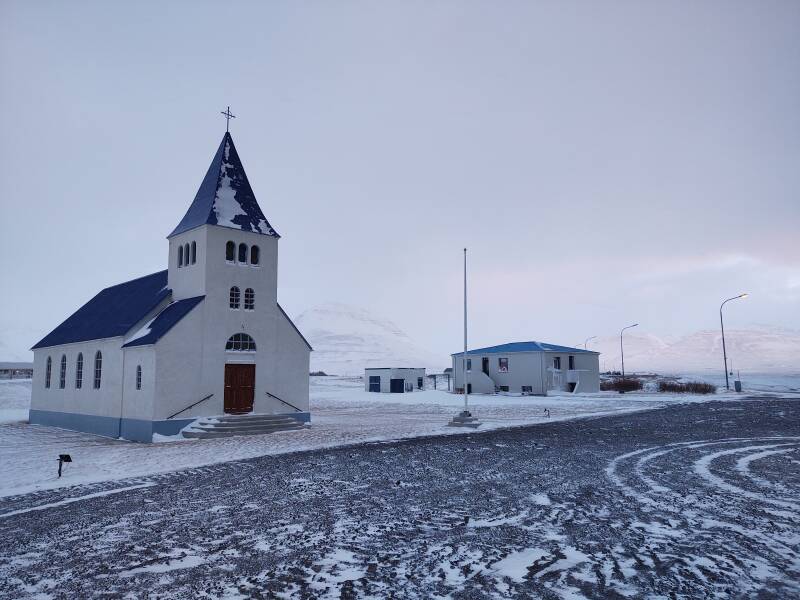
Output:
[[690, 500]]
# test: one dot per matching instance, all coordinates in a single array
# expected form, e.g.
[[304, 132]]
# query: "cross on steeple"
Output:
[[228, 117]]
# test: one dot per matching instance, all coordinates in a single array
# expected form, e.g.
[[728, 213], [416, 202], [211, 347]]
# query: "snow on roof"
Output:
[[225, 197], [112, 312], [525, 347], [159, 325]]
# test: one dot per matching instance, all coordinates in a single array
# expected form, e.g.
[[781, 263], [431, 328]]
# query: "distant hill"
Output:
[[346, 339], [759, 349]]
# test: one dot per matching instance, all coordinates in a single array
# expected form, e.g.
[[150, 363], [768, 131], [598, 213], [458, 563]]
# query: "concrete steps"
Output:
[[234, 425]]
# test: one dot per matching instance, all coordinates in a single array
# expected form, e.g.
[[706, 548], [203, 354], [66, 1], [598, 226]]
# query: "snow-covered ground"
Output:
[[342, 413]]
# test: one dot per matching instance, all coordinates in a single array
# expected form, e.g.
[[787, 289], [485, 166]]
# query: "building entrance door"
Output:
[[240, 385], [397, 386]]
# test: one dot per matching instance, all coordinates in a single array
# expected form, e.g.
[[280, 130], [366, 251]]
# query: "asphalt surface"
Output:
[[696, 500]]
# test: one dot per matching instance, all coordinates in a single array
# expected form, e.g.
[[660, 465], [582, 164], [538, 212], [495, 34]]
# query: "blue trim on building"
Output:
[[303, 417], [172, 426], [135, 430], [105, 426]]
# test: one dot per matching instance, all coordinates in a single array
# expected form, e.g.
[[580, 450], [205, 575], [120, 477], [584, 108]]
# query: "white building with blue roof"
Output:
[[527, 368], [204, 337]]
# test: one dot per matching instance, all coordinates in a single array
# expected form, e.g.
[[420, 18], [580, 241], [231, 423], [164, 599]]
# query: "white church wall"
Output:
[[139, 403], [263, 278], [189, 280], [292, 366], [85, 409], [179, 370]]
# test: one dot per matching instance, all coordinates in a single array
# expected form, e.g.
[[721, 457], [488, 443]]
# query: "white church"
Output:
[[204, 337]]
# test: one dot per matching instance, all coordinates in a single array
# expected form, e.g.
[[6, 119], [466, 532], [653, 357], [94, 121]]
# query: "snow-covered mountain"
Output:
[[759, 349], [346, 339]]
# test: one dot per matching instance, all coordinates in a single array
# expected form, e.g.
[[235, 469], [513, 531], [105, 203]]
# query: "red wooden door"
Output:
[[240, 383]]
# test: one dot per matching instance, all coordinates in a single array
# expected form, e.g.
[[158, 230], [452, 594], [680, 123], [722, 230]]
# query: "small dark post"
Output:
[[63, 458]]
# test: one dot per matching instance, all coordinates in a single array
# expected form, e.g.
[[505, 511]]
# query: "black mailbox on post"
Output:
[[62, 458]]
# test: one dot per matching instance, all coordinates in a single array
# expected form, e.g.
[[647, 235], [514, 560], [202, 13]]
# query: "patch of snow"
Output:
[[540, 499], [515, 565], [75, 499], [226, 207], [187, 562]]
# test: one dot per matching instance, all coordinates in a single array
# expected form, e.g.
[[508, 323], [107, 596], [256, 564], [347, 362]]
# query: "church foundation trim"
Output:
[[136, 430]]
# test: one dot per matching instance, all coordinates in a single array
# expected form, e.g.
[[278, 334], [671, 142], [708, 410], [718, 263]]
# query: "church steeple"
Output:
[[225, 197]]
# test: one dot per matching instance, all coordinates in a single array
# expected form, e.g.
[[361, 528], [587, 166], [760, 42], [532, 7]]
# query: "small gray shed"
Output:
[[395, 380]]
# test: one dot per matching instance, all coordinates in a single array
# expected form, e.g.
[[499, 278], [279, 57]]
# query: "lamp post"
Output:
[[621, 352], [466, 389], [722, 327], [594, 337]]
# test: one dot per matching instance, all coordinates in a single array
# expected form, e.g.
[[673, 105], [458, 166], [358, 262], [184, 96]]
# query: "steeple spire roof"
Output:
[[225, 197]]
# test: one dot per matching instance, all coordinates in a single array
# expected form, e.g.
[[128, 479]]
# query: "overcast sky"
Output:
[[605, 163]]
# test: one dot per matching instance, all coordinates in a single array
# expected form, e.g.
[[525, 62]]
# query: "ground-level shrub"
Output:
[[620, 385], [689, 387]]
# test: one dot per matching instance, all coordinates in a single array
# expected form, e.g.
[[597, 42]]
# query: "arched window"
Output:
[[230, 251], [234, 301], [241, 342], [98, 369], [254, 255], [138, 377], [249, 299], [194, 252], [243, 253], [180, 256], [79, 371], [47, 371], [186, 254], [62, 373]]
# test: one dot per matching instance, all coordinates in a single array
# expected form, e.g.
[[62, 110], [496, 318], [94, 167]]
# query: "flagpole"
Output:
[[466, 400]]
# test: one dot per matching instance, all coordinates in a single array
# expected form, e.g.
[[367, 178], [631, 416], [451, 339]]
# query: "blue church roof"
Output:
[[164, 321], [524, 347], [112, 312], [225, 197]]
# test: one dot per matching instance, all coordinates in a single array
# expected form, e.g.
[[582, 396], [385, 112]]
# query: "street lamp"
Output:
[[594, 337], [621, 352], [722, 327]]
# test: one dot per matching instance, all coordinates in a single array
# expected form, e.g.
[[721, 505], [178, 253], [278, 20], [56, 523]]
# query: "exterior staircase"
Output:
[[232, 425]]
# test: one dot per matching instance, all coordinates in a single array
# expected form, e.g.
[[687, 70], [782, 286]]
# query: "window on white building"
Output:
[[557, 363], [98, 369], [249, 299], [79, 371], [254, 255], [47, 371], [241, 342], [571, 363], [230, 251], [243, 254], [502, 365], [62, 373], [138, 377], [235, 297]]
